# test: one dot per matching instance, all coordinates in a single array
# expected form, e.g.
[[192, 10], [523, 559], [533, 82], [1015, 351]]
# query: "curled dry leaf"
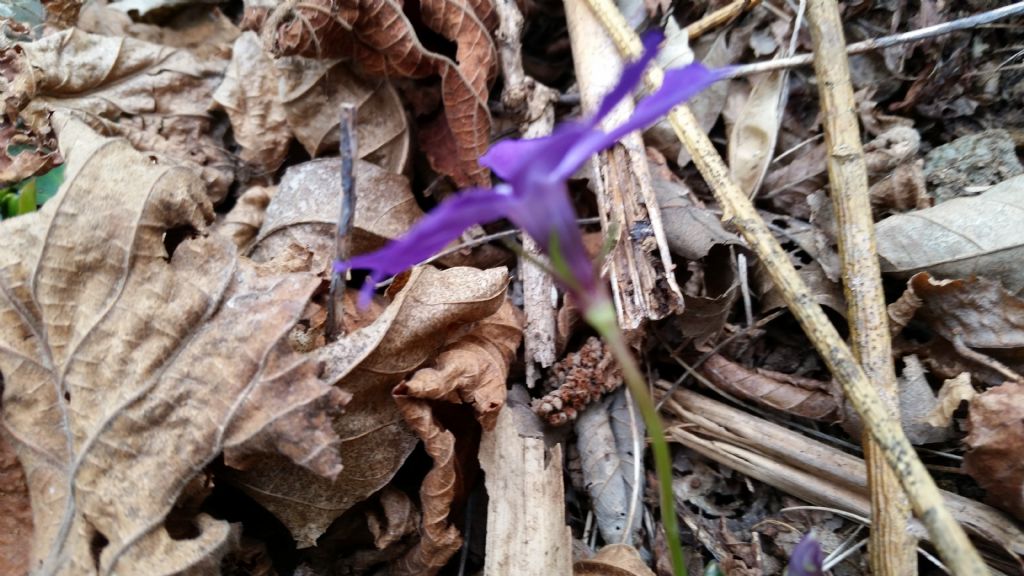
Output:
[[304, 211], [380, 36], [368, 363], [473, 370], [127, 370], [980, 236], [954, 391], [793, 394], [609, 436], [996, 441], [753, 136], [979, 312], [155, 96], [245, 219]]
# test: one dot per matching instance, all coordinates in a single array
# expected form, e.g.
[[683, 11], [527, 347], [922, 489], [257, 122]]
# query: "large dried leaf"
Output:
[[127, 371], [380, 36], [305, 209], [369, 363], [472, 370], [996, 441], [155, 96], [980, 236]]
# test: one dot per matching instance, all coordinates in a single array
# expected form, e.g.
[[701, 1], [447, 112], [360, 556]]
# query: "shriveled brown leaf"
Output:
[[979, 312], [15, 513], [996, 440], [312, 91], [613, 560], [155, 96], [126, 372], [304, 210], [399, 518], [472, 370], [379, 35], [793, 394], [368, 363], [980, 235]]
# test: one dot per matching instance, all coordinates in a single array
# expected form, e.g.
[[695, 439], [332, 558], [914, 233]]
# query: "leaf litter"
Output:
[[164, 339]]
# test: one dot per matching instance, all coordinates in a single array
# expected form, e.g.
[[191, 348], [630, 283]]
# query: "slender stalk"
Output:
[[601, 316]]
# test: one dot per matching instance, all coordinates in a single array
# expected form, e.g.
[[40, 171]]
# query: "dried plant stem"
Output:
[[950, 539], [887, 41], [601, 317], [346, 216], [893, 551], [719, 18]]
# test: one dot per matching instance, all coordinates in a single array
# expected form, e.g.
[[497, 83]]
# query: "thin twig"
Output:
[[886, 41], [346, 215], [949, 537], [892, 550], [719, 18]]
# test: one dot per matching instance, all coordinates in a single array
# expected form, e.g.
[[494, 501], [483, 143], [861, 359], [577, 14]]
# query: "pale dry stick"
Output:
[[719, 18], [961, 24], [954, 547], [892, 550]]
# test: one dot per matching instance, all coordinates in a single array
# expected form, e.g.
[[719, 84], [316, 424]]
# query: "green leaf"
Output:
[[27, 198], [10, 206]]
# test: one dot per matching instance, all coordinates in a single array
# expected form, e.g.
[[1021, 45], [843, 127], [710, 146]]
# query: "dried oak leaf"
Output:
[[473, 370], [127, 370], [304, 210], [793, 394], [380, 36], [270, 101], [996, 440], [369, 363], [155, 96], [980, 235]]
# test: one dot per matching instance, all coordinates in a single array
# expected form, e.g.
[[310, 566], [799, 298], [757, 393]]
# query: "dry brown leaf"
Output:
[[369, 363], [753, 136], [127, 371], [472, 370], [691, 230], [379, 35], [398, 518], [15, 513], [202, 29], [155, 96], [793, 394], [304, 211], [979, 312], [312, 91], [980, 235], [613, 560], [996, 440]]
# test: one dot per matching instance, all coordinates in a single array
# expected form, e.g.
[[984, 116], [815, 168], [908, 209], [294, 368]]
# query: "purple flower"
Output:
[[807, 558], [534, 194]]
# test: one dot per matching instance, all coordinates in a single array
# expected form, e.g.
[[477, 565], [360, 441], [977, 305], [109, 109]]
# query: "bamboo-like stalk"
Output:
[[893, 551], [954, 547]]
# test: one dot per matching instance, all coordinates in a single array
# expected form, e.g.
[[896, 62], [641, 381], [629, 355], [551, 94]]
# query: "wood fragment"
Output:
[[720, 17], [892, 550]]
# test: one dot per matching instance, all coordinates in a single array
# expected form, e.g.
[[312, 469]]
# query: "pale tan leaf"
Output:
[[243, 222], [368, 363], [127, 370], [613, 560], [305, 208], [953, 392], [980, 235], [752, 139], [996, 442]]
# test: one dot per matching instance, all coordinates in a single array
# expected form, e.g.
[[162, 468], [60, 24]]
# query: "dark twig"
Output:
[[346, 214]]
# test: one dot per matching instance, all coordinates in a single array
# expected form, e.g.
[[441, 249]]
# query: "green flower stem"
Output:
[[601, 316]]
